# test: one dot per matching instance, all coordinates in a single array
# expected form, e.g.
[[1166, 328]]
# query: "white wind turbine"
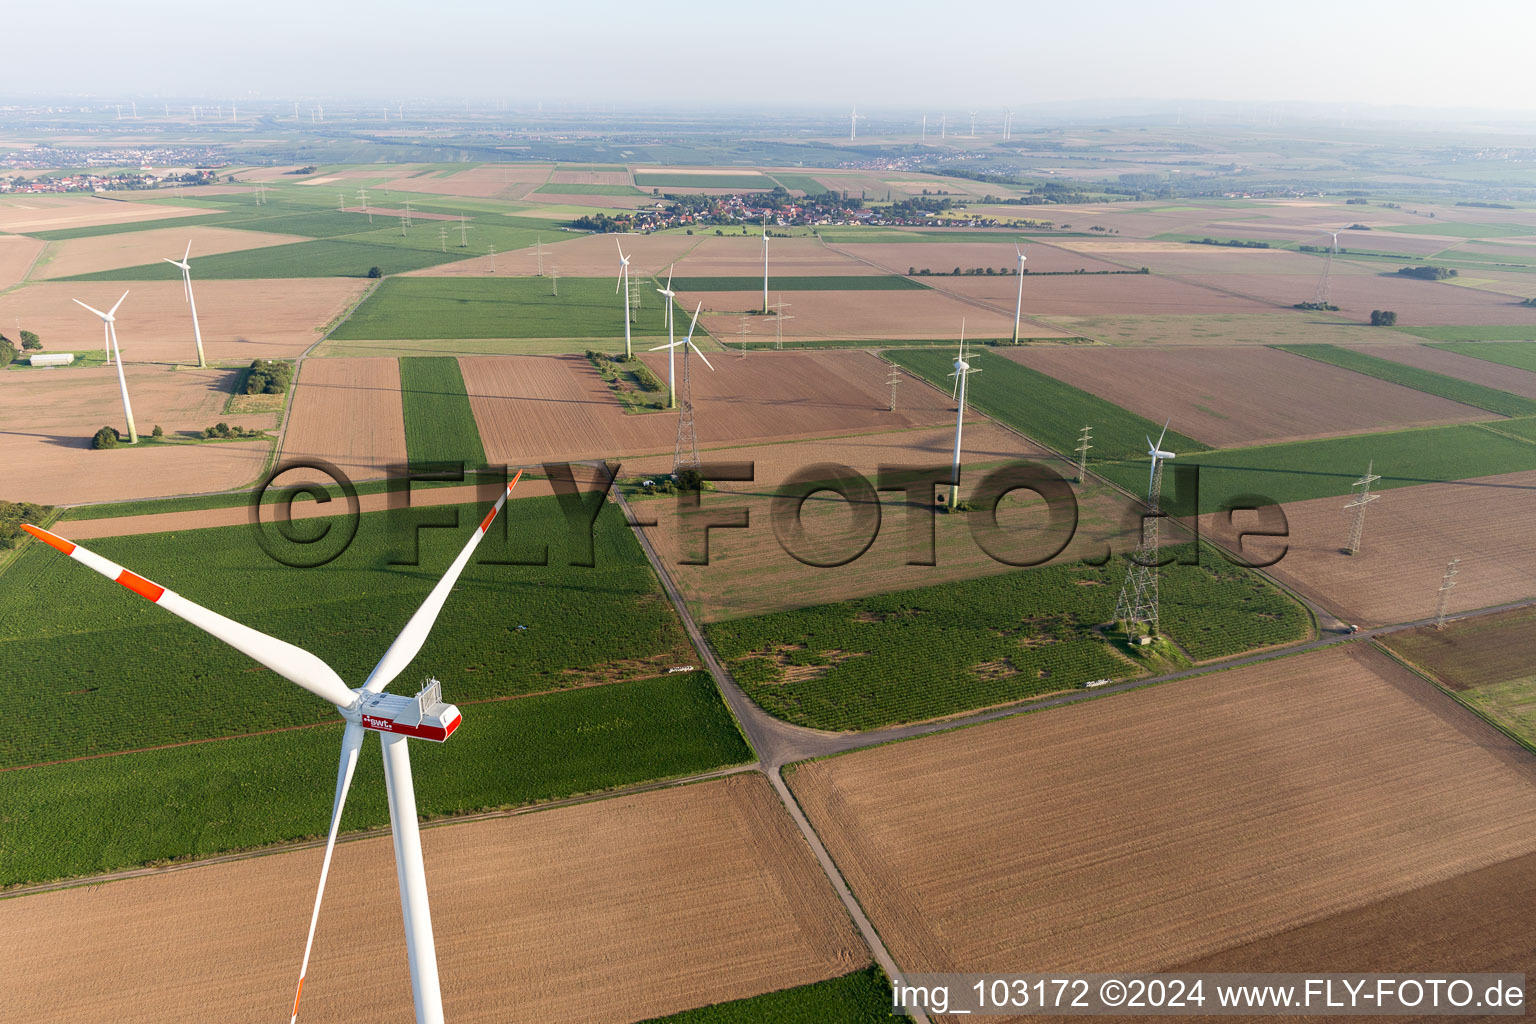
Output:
[[1018, 305], [186, 283], [1158, 456], [672, 347], [668, 294], [963, 370], [368, 707], [765, 264], [623, 280], [109, 334]]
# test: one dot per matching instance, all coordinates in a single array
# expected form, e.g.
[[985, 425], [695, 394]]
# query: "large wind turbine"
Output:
[[672, 347], [109, 334], [186, 283], [1018, 305], [368, 707], [765, 264], [669, 295], [962, 371], [623, 280]]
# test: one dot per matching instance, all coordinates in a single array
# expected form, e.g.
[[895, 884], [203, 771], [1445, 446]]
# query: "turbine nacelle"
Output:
[[110, 316]]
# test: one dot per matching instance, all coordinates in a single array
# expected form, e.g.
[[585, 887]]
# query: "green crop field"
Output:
[[743, 182], [573, 189], [1460, 230], [940, 650], [1465, 392], [1520, 355], [64, 234], [838, 283], [1042, 407], [327, 257], [439, 423], [803, 182], [105, 814], [1327, 467], [512, 307], [139, 677], [863, 997]]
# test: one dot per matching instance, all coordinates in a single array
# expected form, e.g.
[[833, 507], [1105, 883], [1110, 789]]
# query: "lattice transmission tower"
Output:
[[1447, 582], [1364, 498], [1082, 453], [1137, 605], [685, 454]]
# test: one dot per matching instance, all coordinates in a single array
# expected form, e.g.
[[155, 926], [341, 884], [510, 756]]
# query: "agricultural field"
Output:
[[919, 314], [439, 424], [1410, 534], [941, 650], [1519, 355], [1427, 381], [131, 249], [1231, 329], [30, 214], [514, 307], [843, 283], [617, 901], [1223, 809], [1240, 395], [581, 189], [348, 412], [1327, 467], [533, 408], [323, 257], [943, 257], [689, 179], [241, 320], [17, 255], [1485, 660], [1041, 407], [863, 997], [1460, 366], [741, 255]]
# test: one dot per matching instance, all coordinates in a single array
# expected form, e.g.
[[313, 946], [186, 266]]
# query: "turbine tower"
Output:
[[109, 333], [672, 346], [853, 124], [962, 372], [1018, 305], [1358, 503], [668, 294], [1137, 605], [623, 281], [765, 264], [186, 284], [365, 708]]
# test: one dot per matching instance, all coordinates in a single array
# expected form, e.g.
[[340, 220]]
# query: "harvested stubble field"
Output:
[[850, 316], [347, 411], [578, 256], [749, 573], [600, 913], [17, 255], [49, 416], [1486, 660], [19, 214], [130, 249], [1410, 535], [488, 181], [1225, 810], [742, 256], [943, 257], [1492, 399], [535, 408], [1102, 294], [1234, 329], [1232, 396], [1415, 302], [241, 320], [1454, 364]]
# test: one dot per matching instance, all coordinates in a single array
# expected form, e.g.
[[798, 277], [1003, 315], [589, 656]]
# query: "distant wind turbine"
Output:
[[765, 264], [1018, 306], [668, 294], [672, 347], [963, 370], [623, 280], [109, 332], [186, 283]]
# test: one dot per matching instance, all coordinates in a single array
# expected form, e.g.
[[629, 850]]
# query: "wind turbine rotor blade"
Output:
[[188, 253], [1164, 433], [670, 344], [113, 310], [695, 322], [351, 742], [292, 663], [700, 354], [93, 309], [409, 643], [1150, 447]]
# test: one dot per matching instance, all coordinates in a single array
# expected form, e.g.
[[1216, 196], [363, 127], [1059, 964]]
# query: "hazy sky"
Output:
[[895, 53]]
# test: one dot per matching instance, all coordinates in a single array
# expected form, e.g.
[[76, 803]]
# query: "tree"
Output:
[[375, 272], [7, 350], [1383, 318], [106, 437], [30, 341], [690, 480], [158, 432]]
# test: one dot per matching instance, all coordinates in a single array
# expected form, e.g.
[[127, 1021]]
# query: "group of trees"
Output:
[[1234, 243], [1383, 318], [9, 349], [268, 377], [1427, 273], [13, 514], [224, 431]]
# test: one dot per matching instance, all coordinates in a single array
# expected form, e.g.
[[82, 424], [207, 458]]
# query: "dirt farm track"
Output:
[[626, 908]]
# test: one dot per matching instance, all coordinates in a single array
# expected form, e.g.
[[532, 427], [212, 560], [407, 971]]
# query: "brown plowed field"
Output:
[[750, 574], [1485, 650], [742, 256], [1162, 826], [590, 178], [47, 418], [581, 256], [1415, 302], [532, 408], [853, 315], [1410, 535], [898, 257], [133, 248], [1454, 364], [1108, 294], [16, 257], [347, 411], [488, 181], [56, 212], [602, 913], [241, 320], [1228, 397]]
